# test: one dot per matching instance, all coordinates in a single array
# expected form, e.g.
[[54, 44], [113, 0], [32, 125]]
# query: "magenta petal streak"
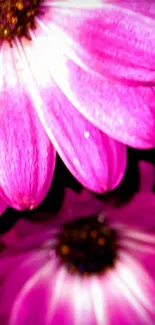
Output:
[[27, 158]]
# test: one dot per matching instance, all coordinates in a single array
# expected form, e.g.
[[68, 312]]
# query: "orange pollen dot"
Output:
[[14, 20], [20, 5], [65, 250], [101, 241], [93, 234]]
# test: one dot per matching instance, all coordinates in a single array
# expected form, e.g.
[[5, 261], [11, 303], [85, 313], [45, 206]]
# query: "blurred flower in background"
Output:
[[89, 261]]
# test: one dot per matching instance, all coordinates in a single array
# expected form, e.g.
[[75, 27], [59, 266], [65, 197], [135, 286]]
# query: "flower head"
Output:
[[66, 84], [86, 264], [72, 85]]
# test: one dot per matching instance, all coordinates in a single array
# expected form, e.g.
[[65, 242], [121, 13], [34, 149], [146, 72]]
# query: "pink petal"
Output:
[[9, 237], [62, 315], [24, 267], [94, 159], [27, 158], [113, 41], [122, 104], [123, 112], [139, 210], [129, 288], [78, 205], [31, 305], [121, 304], [146, 8], [37, 301], [52, 297]]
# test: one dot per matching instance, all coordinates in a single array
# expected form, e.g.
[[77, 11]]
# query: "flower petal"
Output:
[[78, 205], [27, 158], [110, 39], [135, 287], [24, 267], [9, 237], [125, 113], [94, 159], [122, 305], [58, 302], [122, 104], [36, 300], [139, 210]]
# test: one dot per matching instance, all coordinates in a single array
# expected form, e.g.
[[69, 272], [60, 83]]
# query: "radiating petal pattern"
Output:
[[98, 73], [96, 160], [47, 293]]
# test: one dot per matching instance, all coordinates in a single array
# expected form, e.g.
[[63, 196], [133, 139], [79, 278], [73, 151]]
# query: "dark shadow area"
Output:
[[63, 178]]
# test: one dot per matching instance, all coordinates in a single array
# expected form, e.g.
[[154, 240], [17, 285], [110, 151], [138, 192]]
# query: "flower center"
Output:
[[87, 246], [17, 17]]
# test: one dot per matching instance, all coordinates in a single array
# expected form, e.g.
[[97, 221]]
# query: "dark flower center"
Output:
[[87, 246], [17, 17]]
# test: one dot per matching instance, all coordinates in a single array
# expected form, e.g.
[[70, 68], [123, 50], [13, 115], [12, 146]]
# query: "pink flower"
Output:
[[39, 111], [27, 158], [98, 269]]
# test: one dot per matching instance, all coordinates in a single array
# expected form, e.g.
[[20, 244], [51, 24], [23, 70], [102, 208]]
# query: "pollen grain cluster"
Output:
[[17, 17]]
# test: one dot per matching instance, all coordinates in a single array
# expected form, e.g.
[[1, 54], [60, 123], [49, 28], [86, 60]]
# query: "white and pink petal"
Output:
[[27, 157], [94, 159], [109, 38], [122, 111], [122, 104]]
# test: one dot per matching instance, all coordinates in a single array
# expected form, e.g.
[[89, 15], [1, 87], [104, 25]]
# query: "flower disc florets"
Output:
[[17, 17], [87, 246]]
